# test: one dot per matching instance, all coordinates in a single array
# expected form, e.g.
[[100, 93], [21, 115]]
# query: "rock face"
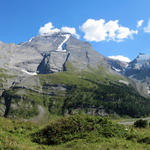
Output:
[[118, 66], [53, 62], [48, 54]]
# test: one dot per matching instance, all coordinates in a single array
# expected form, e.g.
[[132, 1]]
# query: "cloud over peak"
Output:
[[70, 30], [100, 30], [120, 58], [49, 29]]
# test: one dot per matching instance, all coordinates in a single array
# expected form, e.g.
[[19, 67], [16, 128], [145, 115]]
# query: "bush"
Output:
[[145, 140], [77, 127], [141, 123]]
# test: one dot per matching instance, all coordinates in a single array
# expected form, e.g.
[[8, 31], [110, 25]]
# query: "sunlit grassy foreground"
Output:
[[77, 132]]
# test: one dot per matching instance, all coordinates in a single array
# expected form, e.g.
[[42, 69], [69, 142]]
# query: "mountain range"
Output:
[[60, 74], [137, 70]]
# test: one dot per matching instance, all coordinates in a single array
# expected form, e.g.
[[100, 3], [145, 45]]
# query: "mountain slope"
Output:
[[63, 75]]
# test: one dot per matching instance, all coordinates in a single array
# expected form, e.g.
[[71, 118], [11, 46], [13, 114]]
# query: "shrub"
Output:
[[77, 127], [145, 140], [141, 123]]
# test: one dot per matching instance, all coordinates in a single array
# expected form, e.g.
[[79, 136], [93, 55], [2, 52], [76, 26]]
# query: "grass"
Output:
[[16, 135], [89, 88], [80, 78], [4, 76]]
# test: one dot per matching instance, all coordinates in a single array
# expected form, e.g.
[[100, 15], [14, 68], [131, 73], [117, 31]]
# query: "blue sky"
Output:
[[21, 19]]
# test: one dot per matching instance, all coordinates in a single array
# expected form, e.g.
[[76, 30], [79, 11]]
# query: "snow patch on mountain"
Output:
[[31, 39], [29, 73], [118, 70], [124, 82], [62, 46]]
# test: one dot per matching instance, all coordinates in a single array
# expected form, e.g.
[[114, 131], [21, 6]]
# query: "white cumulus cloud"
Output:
[[99, 30], [120, 58], [49, 29], [147, 28], [124, 32], [70, 30], [140, 23]]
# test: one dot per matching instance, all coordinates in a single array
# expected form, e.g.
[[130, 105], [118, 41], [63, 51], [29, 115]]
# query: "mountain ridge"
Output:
[[29, 55]]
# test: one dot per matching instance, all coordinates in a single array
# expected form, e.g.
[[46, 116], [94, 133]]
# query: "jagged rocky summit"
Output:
[[139, 68]]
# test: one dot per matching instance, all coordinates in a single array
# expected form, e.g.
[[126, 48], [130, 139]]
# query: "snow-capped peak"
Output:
[[142, 58]]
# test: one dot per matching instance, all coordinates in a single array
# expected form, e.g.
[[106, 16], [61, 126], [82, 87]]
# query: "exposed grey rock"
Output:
[[118, 66], [82, 55], [53, 62], [90, 111]]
